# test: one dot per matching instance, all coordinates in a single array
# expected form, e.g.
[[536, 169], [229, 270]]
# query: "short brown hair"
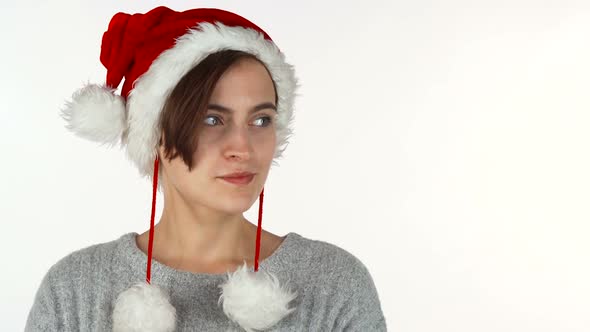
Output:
[[186, 106]]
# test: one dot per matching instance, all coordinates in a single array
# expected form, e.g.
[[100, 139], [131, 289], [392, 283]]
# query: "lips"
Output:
[[239, 179], [237, 175]]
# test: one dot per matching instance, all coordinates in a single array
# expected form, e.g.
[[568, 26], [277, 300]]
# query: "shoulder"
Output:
[[326, 253], [60, 287], [328, 260], [344, 281], [77, 263]]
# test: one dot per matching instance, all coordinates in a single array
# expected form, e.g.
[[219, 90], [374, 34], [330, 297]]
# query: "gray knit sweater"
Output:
[[335, 290]]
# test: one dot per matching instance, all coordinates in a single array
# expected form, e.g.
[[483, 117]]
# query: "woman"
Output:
[[203, 112]]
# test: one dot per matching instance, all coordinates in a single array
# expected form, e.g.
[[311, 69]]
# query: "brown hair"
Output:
[[186, 106]]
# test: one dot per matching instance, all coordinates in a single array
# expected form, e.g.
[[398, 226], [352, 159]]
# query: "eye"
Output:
[[212, 117], [268, 118], [217, 120]]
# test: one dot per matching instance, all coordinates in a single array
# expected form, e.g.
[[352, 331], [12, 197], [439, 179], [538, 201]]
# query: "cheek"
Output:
[[271, 143], [263, 146], [190, 185]]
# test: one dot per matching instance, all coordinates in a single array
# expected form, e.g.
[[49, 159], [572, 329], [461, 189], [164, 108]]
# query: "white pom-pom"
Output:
[[96, 113], [254, 300], [144, 307]]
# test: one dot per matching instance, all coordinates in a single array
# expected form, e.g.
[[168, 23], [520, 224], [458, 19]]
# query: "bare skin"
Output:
[[268, 244], [202, 228]]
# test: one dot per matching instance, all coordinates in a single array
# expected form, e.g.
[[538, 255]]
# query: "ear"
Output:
[[160, 148]]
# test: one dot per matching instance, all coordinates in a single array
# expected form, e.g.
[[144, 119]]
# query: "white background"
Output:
[[443, 143]]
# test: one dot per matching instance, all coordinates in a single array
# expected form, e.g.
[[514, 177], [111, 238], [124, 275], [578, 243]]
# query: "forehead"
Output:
[[245, 79]]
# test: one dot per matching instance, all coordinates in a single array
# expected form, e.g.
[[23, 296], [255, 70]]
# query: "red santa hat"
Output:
[[152, 52]]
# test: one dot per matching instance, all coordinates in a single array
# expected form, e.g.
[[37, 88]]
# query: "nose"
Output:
[[238, 143]]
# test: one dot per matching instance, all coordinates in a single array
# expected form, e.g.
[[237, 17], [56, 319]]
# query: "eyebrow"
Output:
[[259, 107]]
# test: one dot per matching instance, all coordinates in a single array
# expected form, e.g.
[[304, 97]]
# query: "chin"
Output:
[[236, 203], [234, 209]]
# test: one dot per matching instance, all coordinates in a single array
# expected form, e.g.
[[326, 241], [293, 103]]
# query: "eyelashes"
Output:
[[268, 122]]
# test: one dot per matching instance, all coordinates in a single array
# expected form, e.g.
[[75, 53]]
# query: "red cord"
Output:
[[151, 241], [258, 231]]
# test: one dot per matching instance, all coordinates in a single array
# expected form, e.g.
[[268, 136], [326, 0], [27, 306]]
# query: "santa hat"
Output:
[[152, 52]]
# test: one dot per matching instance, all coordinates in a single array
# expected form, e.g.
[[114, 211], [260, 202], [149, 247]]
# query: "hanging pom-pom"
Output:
[[96, 113], [255, 300], [145, 308]]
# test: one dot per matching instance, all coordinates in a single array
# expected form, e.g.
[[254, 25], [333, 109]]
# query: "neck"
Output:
[[197, 235]]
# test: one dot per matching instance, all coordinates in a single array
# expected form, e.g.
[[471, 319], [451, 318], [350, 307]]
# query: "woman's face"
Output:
[[241, 139]]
